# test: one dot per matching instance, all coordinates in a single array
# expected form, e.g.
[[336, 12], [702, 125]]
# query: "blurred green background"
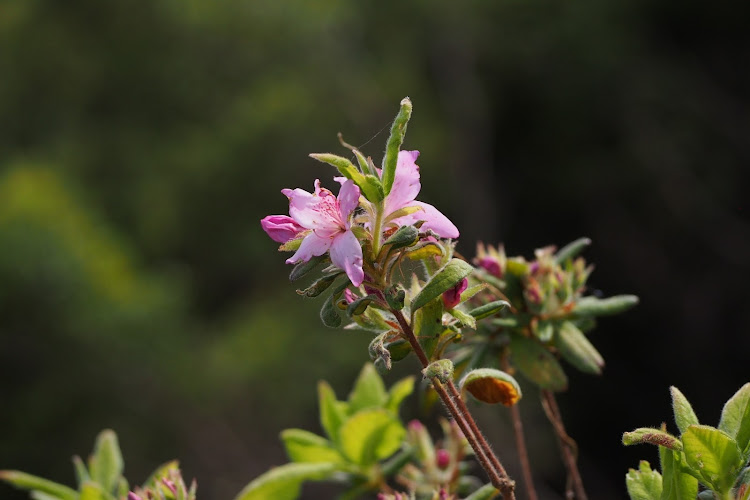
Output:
[[141, 141]]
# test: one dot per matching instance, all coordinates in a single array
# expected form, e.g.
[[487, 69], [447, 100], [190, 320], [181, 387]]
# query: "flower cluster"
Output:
[[322, 222]]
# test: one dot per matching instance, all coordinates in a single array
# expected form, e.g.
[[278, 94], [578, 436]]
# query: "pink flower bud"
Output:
[[491, 265], [452, 297], [133, 496], [281, 228], [442, 458]]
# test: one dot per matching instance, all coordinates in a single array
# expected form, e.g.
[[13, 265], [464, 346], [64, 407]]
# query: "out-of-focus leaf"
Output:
[[592, 306], [25, 481], [331, 413], [577, 350], [304, 446], [400, 391], [370, 435], [537, 364], [284, 482], [733, 412], [369, 390], [572, 249]]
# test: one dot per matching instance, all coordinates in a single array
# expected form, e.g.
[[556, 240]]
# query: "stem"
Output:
[[523, 454], [456, 407], [377, 230], [568, 447]]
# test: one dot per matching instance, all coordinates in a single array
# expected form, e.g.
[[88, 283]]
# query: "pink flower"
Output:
[[325, 218], [403, 194], [281, 228], [452, 296]]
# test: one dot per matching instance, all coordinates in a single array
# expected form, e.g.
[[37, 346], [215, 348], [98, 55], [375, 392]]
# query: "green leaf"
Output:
[[592, 306], [491, 386], [486, 492], [329, 313], [82, 474], [360, 305], [489, 309], [161, 472], [332, 414], [733, 412], [684, 416], [320, 285], [713, 455], [464, 318], [428, 326], [369, 390], [393, 146], [105, 465], [445, 279], [651, 436], [24, 481], [370, 435], [399, 391], [284, 482], [38, 495], [304, 446], [571, 249], [302, 268], [676, 485], [537, 364], [405, 236], [577, 350], [368, 185], [93, 491], [544, 330], [643, 484]]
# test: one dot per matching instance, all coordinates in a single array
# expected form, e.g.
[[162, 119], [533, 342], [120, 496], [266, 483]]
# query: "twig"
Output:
[[456, 407], [523, 454], [568, 447]]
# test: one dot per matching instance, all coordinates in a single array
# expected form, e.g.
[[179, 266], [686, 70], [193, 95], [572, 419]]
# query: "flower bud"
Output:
[[442, 458], [452, 296]]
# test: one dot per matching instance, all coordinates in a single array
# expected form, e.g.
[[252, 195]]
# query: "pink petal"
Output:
[[434, 220], [406, 184], [301, 206], [346, 253], [281, 228], [348, 199], [311, 246], [452, 297]]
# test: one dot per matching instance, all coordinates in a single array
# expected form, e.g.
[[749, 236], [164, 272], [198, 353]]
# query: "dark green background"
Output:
[[141, 141]]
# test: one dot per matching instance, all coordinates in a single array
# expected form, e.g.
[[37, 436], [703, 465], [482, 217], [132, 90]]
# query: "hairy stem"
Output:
[[568, 447], [456, 407], [523, 454], [377, 230]]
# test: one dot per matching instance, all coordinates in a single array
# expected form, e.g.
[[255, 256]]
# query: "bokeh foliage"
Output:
[[141, 142]]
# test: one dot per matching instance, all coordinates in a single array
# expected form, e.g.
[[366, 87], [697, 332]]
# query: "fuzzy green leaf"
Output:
[[161, 472], [320, 285], [405, 236], [329, 313], [369, 390], [302, 268], [370, 435], [304, 446], [331, 413], [393, 146], [24, 481], [284, 482], [577, 350], [713, 455], [733, 412], [489, 309], [684, 416], [537, 364], [105, 465], [428, 326], [369, 185], [445, 279], [644, 483], [651, 436], [676, 484]]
